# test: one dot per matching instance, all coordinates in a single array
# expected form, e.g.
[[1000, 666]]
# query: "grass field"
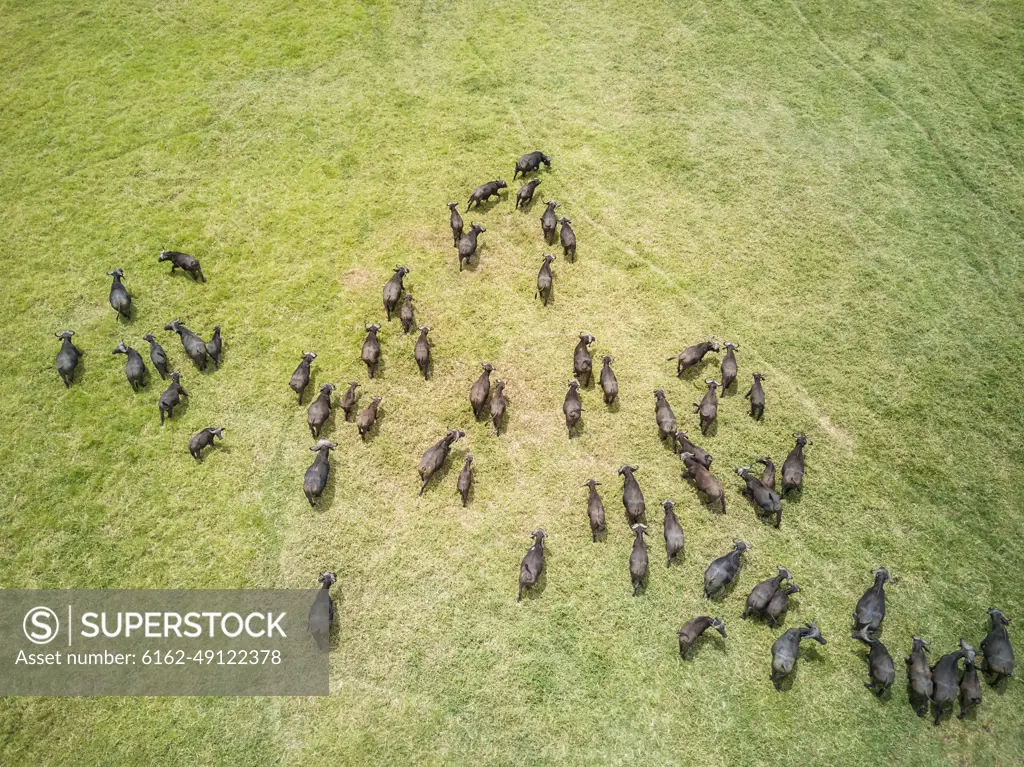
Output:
[[836, 187]]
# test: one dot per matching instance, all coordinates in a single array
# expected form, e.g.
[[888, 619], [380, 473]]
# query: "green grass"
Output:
[[837, 187]]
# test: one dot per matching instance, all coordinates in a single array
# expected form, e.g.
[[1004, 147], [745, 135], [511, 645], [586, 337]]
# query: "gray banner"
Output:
[[156, 642]]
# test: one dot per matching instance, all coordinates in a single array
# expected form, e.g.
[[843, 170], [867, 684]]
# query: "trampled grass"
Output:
[[837, 189]]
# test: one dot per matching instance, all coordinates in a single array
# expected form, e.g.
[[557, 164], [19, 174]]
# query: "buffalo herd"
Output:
[[938, 685]]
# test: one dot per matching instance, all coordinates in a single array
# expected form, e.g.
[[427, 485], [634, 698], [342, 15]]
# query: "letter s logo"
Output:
[[41, 625]]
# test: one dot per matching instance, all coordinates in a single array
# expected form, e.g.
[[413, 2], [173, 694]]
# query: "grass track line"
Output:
[[978, 195]]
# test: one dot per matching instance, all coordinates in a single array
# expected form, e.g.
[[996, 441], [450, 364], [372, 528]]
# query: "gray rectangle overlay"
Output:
[[157, 642]]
